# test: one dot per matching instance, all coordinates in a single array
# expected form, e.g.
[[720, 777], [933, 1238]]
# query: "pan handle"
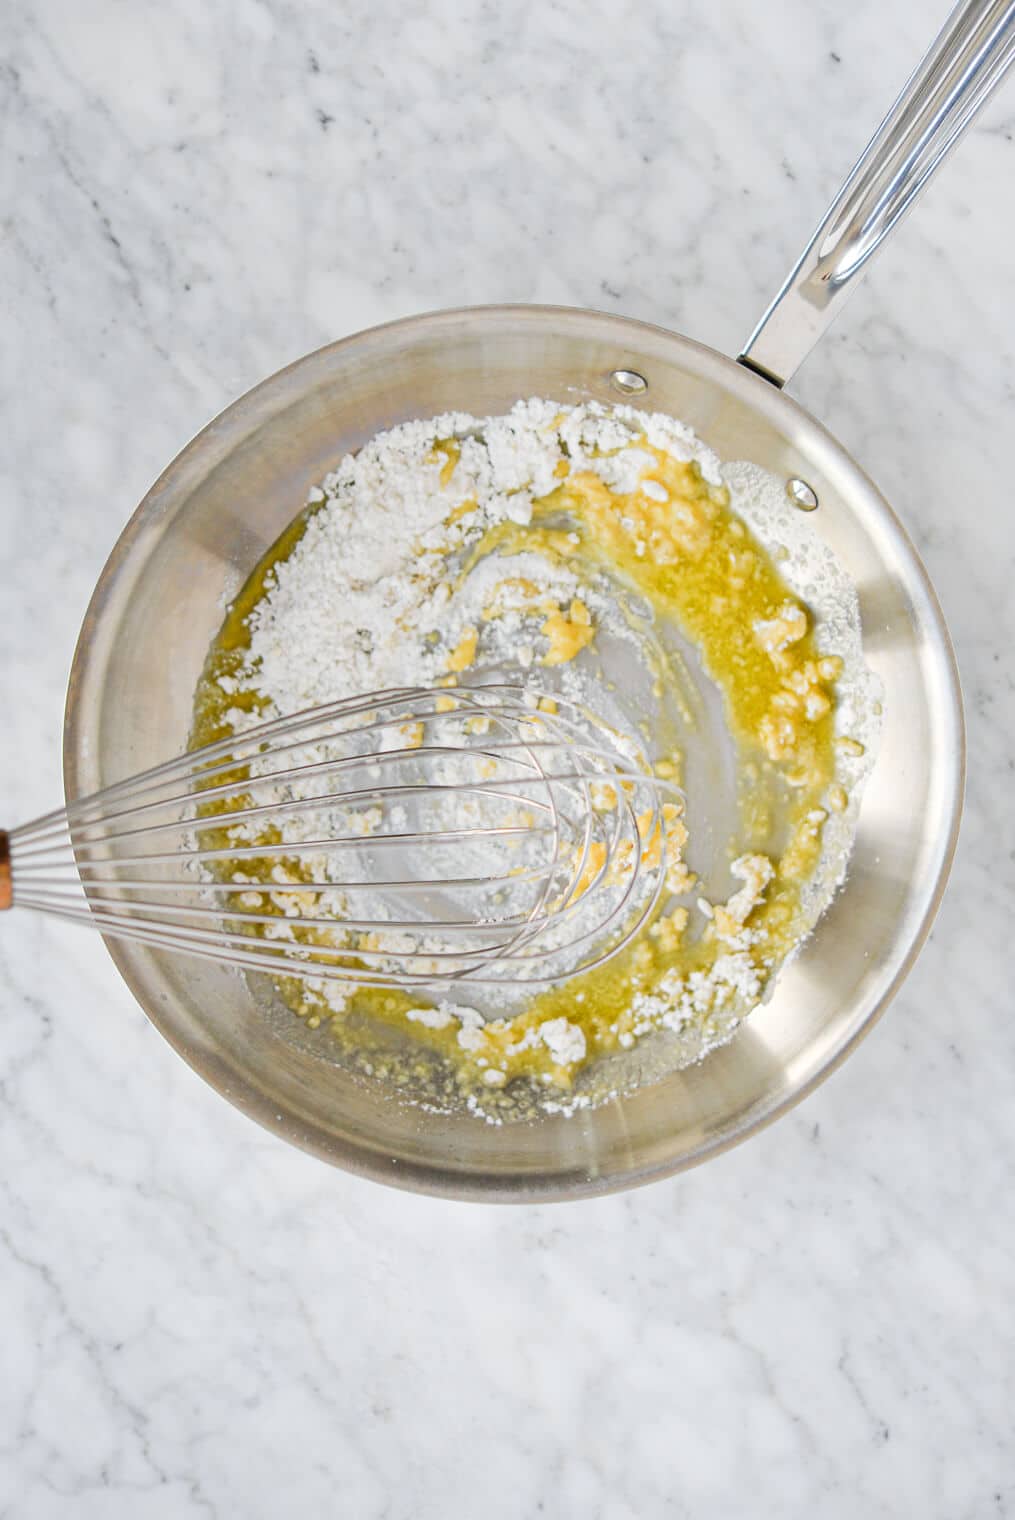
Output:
[[964, 65]]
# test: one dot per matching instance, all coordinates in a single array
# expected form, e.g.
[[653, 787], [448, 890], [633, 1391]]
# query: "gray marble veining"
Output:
[[198, 1321]]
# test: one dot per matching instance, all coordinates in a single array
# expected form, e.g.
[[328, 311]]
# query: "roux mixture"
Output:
[[619, 530]]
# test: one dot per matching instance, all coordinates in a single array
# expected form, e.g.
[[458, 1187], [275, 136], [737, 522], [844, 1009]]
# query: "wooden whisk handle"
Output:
[[6, 892]]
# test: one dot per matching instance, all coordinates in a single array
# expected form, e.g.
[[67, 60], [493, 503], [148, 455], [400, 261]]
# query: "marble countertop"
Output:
[[199, 1321]]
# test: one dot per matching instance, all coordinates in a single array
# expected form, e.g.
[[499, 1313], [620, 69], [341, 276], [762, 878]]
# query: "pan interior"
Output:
[[224, 502]]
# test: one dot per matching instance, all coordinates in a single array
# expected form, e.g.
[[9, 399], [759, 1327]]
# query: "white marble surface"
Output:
[[198, 1321]]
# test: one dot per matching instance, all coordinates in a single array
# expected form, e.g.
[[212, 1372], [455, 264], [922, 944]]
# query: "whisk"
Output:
[[406, 837]]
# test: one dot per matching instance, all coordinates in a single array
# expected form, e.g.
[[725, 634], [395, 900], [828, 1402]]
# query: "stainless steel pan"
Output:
[[225, 499]]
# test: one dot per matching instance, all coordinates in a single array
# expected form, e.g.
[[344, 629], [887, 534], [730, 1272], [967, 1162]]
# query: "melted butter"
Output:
[[226, 655], [676, 544], [464, 652], [448, 450], [568, 633]]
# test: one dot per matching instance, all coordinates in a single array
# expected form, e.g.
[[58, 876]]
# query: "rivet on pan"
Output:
[[801, 494], [628, 382]]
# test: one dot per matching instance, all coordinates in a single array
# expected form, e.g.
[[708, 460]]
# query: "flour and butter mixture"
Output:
[[605, 555]]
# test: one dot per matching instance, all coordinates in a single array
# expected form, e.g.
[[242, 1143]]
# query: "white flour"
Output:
[[373, 561]]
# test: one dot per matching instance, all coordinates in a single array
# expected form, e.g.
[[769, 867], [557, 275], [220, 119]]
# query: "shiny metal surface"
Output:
[[627, 383], [224, 500], [802, 495], [961, 69]]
